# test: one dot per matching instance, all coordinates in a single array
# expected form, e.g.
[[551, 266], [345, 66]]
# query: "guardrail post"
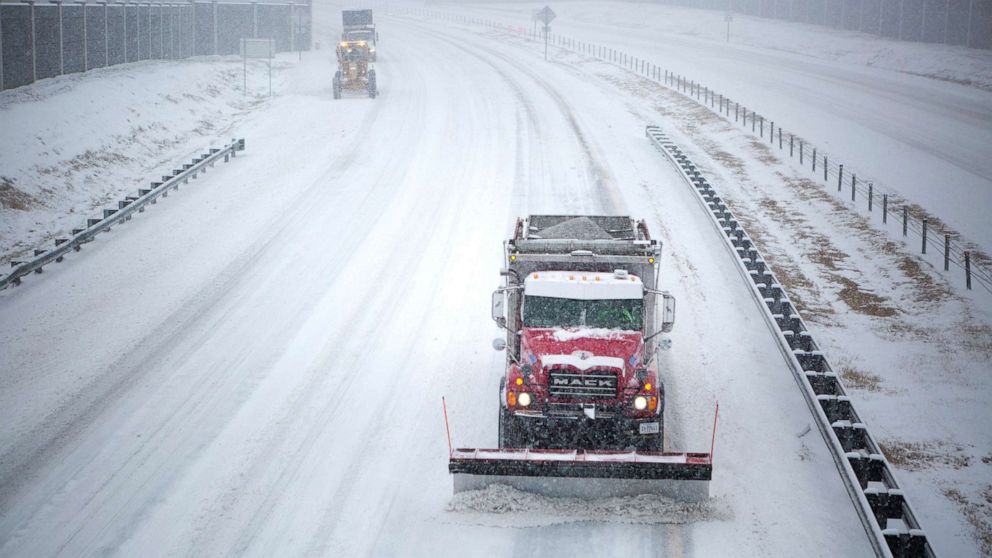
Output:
[[924, 235], [871, 195], [947, 252], [885, 208], [967, 269]]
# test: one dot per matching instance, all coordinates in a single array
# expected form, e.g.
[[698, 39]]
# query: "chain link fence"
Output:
[[47, 38], [953, 22]]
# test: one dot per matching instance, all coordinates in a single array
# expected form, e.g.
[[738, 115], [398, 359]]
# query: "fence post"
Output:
[[967, 269], [814, 159], [106, 34], [86, 48], [924, 235], [779, 138], [215, 27], [124, 38], [947, 252], [753, 114], [905, 219], [1, 42], [771, 132], [34, 46], [825, 168], [61, 50], [840, 177], [762, 135], [737, 110], [854, 185], [871, 195], [885, 208]]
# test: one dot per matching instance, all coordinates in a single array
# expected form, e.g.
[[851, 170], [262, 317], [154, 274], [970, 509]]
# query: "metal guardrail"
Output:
[[125, 209], [884, 511]]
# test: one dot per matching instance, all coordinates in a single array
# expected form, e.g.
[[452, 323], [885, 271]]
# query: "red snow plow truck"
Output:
[[581, 405]]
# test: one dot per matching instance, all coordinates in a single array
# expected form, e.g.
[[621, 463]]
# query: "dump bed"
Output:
[[593, 243], [356, 18]]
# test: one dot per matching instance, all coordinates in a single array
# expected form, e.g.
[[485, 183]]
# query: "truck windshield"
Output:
[[360, 36], [544, 311]]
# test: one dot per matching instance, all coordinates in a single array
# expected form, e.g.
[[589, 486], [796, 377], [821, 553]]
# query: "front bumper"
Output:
[[572, 427]]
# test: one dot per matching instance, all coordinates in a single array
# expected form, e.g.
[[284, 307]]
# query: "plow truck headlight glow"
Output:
[[524, 399], [640, 403]]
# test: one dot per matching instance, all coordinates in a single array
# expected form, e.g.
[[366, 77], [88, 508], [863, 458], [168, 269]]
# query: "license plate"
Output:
[[650, 427]]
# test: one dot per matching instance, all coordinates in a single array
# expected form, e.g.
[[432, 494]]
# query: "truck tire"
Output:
[[506, 437], [372, 85]]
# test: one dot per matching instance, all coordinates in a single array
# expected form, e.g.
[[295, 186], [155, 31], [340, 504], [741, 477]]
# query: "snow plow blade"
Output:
[[584, 473]]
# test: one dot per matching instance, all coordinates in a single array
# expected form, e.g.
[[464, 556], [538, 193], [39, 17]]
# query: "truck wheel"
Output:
[[506, 438]]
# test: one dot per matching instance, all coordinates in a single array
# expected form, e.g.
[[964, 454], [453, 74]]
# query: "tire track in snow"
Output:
[[603, 182], [608, 194], [61, 431]]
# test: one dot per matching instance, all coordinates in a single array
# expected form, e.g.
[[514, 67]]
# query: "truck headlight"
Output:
[[524, 399], [640, 403]]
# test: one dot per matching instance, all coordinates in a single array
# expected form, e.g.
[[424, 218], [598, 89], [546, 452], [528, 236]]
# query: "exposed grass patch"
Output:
[[13, 198], [919, 456], [732, 163], [860, 379], [764, 154], [861, 301], [803, 293], [978, 513], [823, 253]]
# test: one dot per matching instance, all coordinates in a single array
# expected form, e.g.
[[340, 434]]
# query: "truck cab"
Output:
[[358, 25], [580, 308]]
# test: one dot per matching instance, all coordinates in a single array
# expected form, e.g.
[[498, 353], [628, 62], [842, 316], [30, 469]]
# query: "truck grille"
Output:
[[590, 385]]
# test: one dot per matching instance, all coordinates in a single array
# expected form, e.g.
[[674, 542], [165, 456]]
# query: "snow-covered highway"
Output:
[[255, 366]]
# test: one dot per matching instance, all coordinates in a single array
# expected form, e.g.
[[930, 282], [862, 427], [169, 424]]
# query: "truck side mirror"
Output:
[[499, 307], [667, 312], [499, 343]]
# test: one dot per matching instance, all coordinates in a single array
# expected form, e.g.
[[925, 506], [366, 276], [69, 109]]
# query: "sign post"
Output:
[[728, 18], [257, 48], [546, 15]]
